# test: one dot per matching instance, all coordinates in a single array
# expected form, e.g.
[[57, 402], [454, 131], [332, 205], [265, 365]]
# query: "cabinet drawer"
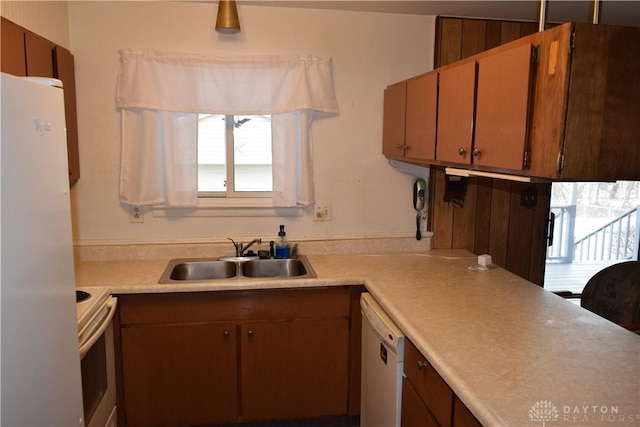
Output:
[[431, 388], [234, 305]]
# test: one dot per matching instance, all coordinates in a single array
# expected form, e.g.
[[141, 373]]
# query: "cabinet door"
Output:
[[393, 121], [414, 412], [294, 369], [39, 53], [456, 113], [432, 389], [13, 59], [502, 108], [462, 417], [422, 105], [179, 374], [64, 70]]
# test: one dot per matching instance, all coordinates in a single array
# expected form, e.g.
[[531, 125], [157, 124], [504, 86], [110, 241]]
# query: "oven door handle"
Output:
[[99, 323]]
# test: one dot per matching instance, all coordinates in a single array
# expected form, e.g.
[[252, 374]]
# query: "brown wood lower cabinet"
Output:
[[179, 374], [203, 358], [414, 412], [294, 369], [427, 400]]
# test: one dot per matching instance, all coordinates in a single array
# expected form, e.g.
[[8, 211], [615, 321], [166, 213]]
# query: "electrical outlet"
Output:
[[322, 213], [529, 198], [136, 214]]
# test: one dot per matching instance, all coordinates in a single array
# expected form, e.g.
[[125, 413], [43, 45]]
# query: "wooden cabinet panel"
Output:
[[409, 123], [39, 53], [603, 107], [414, 413], [179, 375], [294, 369], [234, 305], [502, 108], [462, 417], [456, 105], [13, 60], [65, 71], [421, 114], [259, 354], [427, 401], [431, 388], [393, 124]]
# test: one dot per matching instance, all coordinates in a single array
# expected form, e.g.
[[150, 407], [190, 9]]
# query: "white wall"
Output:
[[369, 198]]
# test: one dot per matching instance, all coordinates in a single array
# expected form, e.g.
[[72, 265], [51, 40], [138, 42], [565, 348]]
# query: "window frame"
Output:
[[231, 193]]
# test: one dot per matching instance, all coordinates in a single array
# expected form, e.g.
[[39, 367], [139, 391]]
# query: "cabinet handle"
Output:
[[462, 151], [476, 152], [250, 333], [421, 364], [399, 147], [225, 334]]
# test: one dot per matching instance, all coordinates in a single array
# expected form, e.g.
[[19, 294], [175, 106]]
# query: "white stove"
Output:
[[89, 300], [96, 309]]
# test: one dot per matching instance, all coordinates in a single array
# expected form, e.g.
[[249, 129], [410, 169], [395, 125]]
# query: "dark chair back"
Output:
[[614, 293]]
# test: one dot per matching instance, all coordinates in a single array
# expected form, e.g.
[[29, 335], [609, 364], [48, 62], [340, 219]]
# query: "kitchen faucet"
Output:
[[240, 248]]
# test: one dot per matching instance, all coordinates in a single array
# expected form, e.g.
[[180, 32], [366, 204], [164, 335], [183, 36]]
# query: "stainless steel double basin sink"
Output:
[[206, 269]]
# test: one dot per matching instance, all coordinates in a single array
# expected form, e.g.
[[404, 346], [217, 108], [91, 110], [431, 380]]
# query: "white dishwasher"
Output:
[[382, 368]]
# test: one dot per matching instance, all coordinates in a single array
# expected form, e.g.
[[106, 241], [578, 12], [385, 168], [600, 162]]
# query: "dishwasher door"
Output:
[[382, 368]]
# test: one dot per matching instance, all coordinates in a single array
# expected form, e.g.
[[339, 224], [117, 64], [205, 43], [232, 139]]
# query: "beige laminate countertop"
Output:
[[505, 346]]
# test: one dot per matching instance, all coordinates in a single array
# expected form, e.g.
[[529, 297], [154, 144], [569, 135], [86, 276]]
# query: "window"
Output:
[[595, 226], [160, 127], [234, 156]]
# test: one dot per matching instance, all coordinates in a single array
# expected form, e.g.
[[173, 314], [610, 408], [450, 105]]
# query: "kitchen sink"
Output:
[[207, 269], [198, 270], [275, 268]]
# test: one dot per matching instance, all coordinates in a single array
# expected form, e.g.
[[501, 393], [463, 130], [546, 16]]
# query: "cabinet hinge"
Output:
[[572, 42], [560, 162], [526, 161], [534, 54]]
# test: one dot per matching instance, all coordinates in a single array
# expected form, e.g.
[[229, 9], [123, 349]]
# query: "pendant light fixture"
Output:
[[227, 21]]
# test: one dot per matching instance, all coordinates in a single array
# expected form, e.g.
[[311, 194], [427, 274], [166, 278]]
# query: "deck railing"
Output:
[[563, 234], [616, 240]]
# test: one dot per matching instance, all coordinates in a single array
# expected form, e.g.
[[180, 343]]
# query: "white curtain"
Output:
[[161, 93]]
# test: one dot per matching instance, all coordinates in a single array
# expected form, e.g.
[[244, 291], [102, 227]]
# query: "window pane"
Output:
[[252, 152], [211, 153]]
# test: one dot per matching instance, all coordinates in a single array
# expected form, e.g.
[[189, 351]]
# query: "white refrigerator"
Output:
[[40, 382]]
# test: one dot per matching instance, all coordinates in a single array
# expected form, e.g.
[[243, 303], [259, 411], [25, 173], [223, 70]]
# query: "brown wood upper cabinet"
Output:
[[483, 110], [502, 108], [410, 110], [559, 104], [456, 107], [27, 54]]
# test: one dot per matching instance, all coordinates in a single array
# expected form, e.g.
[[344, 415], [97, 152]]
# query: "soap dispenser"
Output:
[[283, 250]]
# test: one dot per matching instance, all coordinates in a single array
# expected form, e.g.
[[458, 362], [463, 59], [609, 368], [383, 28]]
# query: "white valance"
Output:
[[187, 83], [161, 93]]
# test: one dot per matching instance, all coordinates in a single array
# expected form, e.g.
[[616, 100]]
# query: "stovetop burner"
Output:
[[82, 296]]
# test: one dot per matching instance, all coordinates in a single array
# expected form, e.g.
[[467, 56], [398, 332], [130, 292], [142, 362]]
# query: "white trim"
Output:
[[297, 239], [471, 173], [228, 207]]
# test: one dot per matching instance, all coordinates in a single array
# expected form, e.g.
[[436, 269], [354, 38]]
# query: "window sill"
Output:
[[228, 207]]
